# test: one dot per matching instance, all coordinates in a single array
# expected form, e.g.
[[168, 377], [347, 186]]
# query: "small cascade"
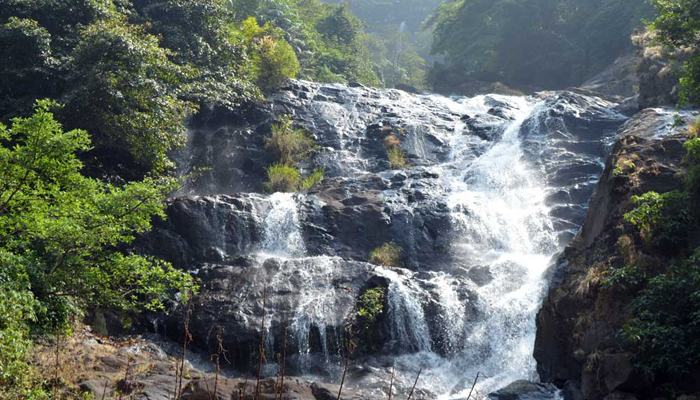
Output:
[[409, 331], [453, 311], [281, 228]]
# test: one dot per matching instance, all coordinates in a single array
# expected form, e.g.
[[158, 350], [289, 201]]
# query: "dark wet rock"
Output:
[[617, 395], [408, 88], [231, 297], [481, 275], [525, 390]]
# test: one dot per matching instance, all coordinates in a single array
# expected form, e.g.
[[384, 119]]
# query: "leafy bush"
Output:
[[677, 25], [692, 177], [16, 313], [624, 167], [369, 306], [663, 219], [666, 325], [388, 255], [283, 178], [271, 59], [65, 227], [327, 39], [289, 144]]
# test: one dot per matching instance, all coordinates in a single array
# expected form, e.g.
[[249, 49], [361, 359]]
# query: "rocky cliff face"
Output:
[[496, 186], [578, 346]]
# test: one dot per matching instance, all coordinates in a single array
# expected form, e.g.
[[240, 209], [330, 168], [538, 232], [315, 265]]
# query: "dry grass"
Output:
[[388, 255], [592, 280], [694, 130], [391, 141], [397, 158], [84, 357]]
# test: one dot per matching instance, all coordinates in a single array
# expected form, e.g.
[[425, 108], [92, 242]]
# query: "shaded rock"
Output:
[[525, 390], [620, 396]]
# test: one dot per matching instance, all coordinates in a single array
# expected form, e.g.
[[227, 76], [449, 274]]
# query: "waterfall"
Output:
[[497, 184], [501, 224]]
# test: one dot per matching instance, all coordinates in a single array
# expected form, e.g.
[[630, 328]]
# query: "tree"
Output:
[[61, 232], [541, 43], [128, 72], [678, 25], [271, 58], [196, 33], [127, 92]]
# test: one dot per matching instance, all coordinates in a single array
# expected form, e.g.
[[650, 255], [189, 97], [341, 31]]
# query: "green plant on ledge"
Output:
[[369, 306], [289, 144], [666, 325], [662, 219], [286, 178], [624, 167], [388, 255]]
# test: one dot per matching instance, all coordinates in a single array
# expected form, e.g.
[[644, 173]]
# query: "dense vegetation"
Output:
[[531, 43], [665, 325], [60, 234]]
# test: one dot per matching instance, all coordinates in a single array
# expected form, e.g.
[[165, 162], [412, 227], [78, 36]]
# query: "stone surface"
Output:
[[525, 390], [577, 344]]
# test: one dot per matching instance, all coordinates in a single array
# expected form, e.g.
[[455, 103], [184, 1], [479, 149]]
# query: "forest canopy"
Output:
[[532, 43]]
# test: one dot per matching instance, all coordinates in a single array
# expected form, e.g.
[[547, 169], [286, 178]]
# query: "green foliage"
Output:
[[397, 158], [283, 178], [137, 87], [287, 178], [624, 167], [677, 24], [692, 177], [129, 73], [315, 178], [667, 322], [197, 35], [388, 255], [63, 228], [289, 144], [628, 278], [271, 59], [396, 58], [663, 219], [370, 305], [542, 43], [16, 313], [327, 39]]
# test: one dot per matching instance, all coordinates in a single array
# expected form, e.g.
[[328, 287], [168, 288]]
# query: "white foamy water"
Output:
[[495, 193]]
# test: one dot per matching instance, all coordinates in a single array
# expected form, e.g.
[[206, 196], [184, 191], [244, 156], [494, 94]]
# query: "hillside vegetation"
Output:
[[544, 44]]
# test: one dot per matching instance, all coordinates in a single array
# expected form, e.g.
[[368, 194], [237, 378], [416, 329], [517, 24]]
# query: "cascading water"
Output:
[[502, 226], [466, 301]]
